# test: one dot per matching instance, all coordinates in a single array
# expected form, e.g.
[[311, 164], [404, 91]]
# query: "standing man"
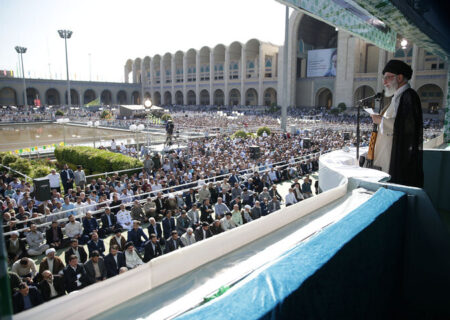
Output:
[[55, 181], [67, 178], [80, 177], [398, 149]]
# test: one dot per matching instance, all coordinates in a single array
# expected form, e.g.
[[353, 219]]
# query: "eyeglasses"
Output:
[[388, 77]]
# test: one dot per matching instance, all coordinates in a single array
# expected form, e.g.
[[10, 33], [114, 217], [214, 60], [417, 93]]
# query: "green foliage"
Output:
[[22, 165], [59, 113], [2, 154], [334, 111], [8, 159], [240, 134], [260, 131], [94, 160], [106, 114], [273, 109], [41, 171], [342, 107], [166, 117]]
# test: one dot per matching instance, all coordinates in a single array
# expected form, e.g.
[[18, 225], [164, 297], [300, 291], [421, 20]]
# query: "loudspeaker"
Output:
[[347, 136], [42, 189], [254, 152], [306, 143]]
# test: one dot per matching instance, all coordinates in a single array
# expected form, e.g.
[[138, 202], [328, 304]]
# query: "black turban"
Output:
[[398, 67]]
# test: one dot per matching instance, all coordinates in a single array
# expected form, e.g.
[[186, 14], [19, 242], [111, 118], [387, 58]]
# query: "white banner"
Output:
[[322, 63]]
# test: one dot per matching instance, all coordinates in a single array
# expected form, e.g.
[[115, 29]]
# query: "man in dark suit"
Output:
[[189, 199], [76, 250], [206, 211], [155, 228], [274, 193], [233, 178], [26, 298], [114, 261], [152, 249], [173, 243], [55, 236], [136, 234], [67, 178], [49, 281], [160, 204], [109, 222], [95, 268], [96, 244], [203, 232], [168, 224], [74, 275]]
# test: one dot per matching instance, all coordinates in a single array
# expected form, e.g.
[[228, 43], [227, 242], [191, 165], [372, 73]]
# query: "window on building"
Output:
[[433, 66]]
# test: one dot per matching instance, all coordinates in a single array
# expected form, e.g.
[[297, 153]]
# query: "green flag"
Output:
[[95, 102]]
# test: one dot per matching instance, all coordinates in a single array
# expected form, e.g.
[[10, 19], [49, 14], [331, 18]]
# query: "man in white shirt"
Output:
[[290, 198], [73, 229], [55, 180], [124, 218], [188, 237]]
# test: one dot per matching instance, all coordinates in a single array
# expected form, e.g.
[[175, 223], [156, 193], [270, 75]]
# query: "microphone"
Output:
[[375, 96]]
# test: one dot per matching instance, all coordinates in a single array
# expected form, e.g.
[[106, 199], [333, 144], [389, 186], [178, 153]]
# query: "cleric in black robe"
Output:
[[398, 149]]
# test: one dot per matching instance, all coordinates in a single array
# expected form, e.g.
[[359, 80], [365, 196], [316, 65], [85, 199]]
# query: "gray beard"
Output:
[[389, 92]]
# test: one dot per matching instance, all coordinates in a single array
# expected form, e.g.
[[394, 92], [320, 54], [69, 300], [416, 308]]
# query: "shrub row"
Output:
[[31, 168], [94, 160]]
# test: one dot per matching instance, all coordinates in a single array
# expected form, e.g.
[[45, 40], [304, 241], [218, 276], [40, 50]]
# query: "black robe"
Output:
[[406, 166]]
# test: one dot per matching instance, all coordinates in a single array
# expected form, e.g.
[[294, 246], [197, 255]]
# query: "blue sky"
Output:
[[113, 31]]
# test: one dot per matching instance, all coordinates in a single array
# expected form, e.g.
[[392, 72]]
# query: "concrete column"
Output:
[[226, 75], [197, 78], [382, 56], [343, 86], [162, 79], [173, 72], [242, 73], [184, 79], [152, 78], [414, 64], [261, 73], [211, 77]]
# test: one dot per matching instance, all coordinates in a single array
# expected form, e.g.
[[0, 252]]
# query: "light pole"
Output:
[[66, 34], [21, 51], [148, 105], [94, 125]]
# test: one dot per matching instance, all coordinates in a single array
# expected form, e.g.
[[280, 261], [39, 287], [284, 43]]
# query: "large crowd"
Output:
[[214, 184]]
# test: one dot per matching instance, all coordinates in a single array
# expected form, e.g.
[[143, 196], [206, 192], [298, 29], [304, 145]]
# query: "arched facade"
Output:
[[135, 98], [251, 97], [32, 93], [219, 62], [121, 97], [8, 97], [137, 64], [52, 97], [431, 97], [235, 97], [128, 69], [270, 97], [191, 98], [179, 98], [146, 70], [363, 92], [74, 97], [235, 54], [191, 68], [167, 98], [157, 98], [219, 97], [88, 96], [167, 68], [106, 97], [324, 98], [204, 71], [204, 97]]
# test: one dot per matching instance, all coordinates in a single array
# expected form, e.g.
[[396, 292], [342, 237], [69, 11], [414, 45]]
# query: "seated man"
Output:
[[89, 224], [76, 250], [51, 263], [203, 232], [168, 224], [132, 259], [114, 261], [137, 212], [52, 286], [74, 275], [15, 247], [173, 243], [155, 228], [118, 239], [109, 222], [54, 236], [215, 227], [96, 244], [227, 222], [136, 235], [152, 248], [25, 268], [74, 230], [35, 241], [124, 218], [26, 298], [183, 222], [95, 268], [188, 237]]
